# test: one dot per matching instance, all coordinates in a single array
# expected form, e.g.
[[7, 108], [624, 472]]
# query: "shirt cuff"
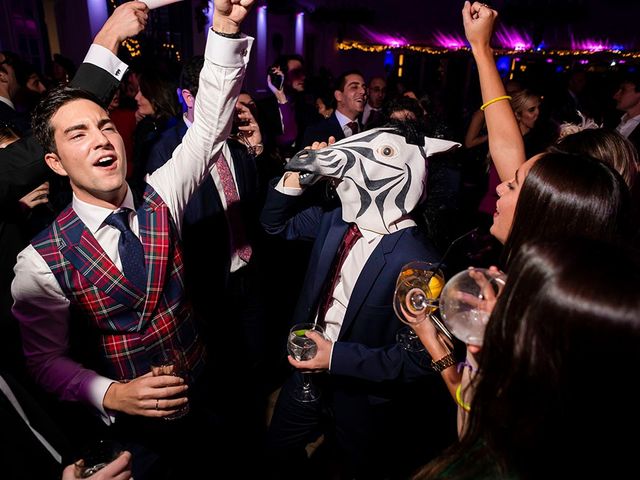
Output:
[[97, 390], [104, 58], [291, 191], [228, 52], [331, 356]]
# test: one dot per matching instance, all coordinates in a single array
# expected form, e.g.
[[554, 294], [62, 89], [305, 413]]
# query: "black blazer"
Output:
[[16, 119], [205, 232], [321, 131]]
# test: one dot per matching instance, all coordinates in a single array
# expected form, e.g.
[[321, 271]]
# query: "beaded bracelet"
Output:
[[465, 406], [494, 100]]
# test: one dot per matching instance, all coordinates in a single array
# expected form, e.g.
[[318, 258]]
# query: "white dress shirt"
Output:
[[343, 120], [627, 125], [39, 303], [7, 101]]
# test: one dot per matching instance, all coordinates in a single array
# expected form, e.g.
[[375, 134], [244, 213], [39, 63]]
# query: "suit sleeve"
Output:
[[97, 81], [100, 74], [22, 165], [389, 363], [282, 215]]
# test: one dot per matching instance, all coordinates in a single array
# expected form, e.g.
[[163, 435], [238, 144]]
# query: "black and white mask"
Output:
[[382, 176]]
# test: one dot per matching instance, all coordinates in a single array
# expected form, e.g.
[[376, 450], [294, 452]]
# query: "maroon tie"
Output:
[[239, 243], [349, 240], [355, 128]]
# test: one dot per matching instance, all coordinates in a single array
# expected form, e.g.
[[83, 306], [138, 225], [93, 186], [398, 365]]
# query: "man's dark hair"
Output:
[[404, 103], [47, 108], [632, 78], [12, 59], [341, 81], [190, 74]]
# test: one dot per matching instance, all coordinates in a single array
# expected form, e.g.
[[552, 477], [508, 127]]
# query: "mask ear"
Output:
[[437, 145], [53, 160]]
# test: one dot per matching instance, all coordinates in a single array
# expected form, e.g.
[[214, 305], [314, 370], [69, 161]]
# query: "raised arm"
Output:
[[505, 140], [225, 60], [22, 165], [101, 71]]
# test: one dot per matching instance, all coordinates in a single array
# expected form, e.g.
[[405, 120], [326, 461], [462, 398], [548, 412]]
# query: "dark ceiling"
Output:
[[551, 21]]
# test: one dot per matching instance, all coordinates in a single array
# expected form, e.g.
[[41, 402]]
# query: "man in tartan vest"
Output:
[[72, 274]]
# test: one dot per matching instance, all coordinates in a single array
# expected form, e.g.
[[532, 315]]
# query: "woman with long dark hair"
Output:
[[552, 195], [551, 394]]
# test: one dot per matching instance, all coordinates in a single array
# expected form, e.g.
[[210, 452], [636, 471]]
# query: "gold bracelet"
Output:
[[494, 100], [445, 362]]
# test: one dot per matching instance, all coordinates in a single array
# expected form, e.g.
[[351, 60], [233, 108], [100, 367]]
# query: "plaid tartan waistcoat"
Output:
[[130, 325]]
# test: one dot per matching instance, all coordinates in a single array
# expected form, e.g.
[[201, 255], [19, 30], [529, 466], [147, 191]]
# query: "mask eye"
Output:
[[387, 151]]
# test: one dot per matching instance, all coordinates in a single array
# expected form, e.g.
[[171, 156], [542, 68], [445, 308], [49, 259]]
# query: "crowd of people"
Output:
[[138, 223]]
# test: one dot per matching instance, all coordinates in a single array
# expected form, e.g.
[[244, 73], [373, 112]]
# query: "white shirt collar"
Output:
[[626, 119], [94, 216], [7, 101], [342, 119]]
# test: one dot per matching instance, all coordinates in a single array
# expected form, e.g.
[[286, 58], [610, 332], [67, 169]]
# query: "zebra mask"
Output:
[[382, 176]]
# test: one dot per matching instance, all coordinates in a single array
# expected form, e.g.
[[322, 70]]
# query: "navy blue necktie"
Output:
[[130, 250]]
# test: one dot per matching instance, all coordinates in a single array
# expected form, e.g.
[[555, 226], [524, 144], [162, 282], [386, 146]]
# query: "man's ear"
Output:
[[53, 160], [338, 95], [189, 100]]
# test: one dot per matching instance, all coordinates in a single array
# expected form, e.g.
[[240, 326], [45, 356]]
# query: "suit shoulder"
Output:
[[414, 242]]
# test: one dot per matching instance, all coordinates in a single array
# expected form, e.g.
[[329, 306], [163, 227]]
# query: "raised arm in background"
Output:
[[505, 139]]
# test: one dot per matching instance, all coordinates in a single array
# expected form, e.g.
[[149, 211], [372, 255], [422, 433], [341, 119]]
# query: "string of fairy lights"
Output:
[[377, 48]]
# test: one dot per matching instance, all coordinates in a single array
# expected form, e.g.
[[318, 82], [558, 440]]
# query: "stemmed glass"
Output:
[[416, 298], [301, 348], [467, 300]]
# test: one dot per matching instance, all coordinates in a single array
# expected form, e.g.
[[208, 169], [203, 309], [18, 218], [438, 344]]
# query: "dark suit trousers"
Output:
[[355, 434]]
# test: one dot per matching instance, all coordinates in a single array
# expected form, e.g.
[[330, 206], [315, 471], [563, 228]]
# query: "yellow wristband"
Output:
[[494, 100], [465, 406]]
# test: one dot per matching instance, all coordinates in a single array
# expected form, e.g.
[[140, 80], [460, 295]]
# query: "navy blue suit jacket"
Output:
[[373, 384], [366, 348]]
